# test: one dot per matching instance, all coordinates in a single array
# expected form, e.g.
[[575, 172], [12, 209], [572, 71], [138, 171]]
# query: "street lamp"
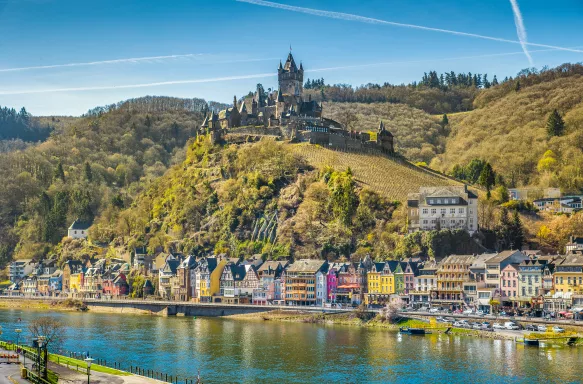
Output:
[[18, 331], [40, 343], [88, 360]]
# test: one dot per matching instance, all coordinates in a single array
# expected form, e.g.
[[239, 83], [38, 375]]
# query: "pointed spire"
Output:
[[381, 126], [280, 96], [280, 65], [235, 102], [243, 108], [301, 66]]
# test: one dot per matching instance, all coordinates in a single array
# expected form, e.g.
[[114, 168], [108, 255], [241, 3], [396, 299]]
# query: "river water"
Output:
[[238, 351]]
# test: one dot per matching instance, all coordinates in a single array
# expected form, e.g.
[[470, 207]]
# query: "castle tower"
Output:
[[385, 139], [290, 77]]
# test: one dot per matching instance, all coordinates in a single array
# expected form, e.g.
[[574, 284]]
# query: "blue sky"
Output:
[[229, 40]]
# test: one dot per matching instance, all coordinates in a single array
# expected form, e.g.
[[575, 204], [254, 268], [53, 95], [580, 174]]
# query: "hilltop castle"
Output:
[[287, 108]]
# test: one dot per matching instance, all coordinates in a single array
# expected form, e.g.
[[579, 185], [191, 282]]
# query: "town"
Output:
[[514, 281]]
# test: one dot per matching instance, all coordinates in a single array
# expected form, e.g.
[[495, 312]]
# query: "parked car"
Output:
[[468, 312], [503, 313], [531, 327], [511, 325], [485, 325], [480, 313], [450, 319], [433, 310], [498, 326], [440, 319], [476, 326], [459, 324], [541, 328], [558, 329]]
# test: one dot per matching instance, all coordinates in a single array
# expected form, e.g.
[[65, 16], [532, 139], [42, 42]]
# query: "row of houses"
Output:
[[76, 279], [523, 279]]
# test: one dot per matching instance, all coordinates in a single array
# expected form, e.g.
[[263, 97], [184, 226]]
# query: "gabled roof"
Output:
[[80, 225], [171, 265], [502, 256]]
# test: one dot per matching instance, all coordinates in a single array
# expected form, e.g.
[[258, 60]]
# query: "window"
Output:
[[460, 210], [438, 201], [425, 211], [430, 201], [443, 210], [433, 211], [452, 211]]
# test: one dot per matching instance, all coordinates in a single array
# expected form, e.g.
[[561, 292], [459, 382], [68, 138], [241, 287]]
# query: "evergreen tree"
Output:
[[555, 124], [516, 232], [517, 86], [444, 121], [88, 172], [59, 173], [494, 81], [487, 178]]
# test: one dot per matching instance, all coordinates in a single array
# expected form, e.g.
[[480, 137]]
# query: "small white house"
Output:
[[78, 230]]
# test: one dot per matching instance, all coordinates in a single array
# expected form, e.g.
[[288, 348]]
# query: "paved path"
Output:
[[71, 376]]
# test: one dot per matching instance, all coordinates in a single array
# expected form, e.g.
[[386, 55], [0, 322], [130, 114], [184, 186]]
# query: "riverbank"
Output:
[[67, 305], [373, 322]]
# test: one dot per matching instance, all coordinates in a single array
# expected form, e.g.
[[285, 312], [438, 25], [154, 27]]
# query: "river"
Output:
[[238, 351]]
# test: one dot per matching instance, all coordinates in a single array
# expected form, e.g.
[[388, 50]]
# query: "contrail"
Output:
[[108, 87], [256, 76], [369, 20], [130, 60], [520, 30]]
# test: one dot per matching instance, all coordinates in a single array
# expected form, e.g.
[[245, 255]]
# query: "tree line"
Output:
[[21, 125]]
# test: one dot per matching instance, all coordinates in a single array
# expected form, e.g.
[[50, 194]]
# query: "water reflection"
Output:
[[263, 352]]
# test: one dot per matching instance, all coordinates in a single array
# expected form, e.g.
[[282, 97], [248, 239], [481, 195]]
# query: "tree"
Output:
[[494, 81], [548, 162], [555, 124], [517, 232], [53, 332], [348, 119], [88, 172], [487, 178], [444, 121], [517, 86], [59, 173]]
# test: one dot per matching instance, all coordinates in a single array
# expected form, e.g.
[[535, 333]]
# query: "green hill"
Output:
[[508, 129]]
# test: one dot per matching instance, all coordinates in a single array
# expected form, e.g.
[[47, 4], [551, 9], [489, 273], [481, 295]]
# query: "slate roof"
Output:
[[80, 225], [306, 265], [501, 256]]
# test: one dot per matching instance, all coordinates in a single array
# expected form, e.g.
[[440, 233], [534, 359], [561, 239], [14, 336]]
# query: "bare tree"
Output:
[[52, 329], [391, 311]]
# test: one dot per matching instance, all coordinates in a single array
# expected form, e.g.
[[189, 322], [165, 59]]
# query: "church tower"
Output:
[[290, 77]]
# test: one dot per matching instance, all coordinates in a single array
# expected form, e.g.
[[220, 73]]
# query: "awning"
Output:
[[349, 286]]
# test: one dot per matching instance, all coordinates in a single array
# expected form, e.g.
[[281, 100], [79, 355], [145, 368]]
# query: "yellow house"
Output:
[[207, 275], [215, 278], [569, 274], [75, 282], [373, 278], [381, 282]]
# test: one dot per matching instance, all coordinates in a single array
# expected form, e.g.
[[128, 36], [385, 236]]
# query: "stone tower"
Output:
[[290, 77]]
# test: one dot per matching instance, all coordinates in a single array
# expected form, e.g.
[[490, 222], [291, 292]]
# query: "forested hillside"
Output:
[[92, 166], [530, 130], [22, 126], [267, 198]]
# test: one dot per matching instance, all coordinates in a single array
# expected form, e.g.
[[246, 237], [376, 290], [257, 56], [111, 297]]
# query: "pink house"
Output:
[[332, 282], [509, 282]]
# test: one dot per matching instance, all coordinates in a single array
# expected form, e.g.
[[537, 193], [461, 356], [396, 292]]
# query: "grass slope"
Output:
[[390, 178]]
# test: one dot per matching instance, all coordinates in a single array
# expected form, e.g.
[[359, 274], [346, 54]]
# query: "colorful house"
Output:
[[569, 274], [509, 285], [374, 283], [300, 281]]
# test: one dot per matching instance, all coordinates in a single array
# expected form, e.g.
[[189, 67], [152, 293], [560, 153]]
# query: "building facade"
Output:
[[434, 208]]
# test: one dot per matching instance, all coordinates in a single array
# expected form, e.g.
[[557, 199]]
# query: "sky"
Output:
[[64, 57]]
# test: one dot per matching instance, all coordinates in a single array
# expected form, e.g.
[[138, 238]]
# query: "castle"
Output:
[[286, 110]]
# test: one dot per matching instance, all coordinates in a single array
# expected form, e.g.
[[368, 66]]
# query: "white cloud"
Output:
[[521, 30]]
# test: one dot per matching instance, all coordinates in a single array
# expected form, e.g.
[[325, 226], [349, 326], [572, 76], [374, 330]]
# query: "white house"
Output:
[[321, 279], [434, 208], [78, 230], [20, 268]]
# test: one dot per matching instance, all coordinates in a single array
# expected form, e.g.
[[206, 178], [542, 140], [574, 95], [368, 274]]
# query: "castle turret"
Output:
[[235, 102], [254, 107], [291, 79], [385, 139]]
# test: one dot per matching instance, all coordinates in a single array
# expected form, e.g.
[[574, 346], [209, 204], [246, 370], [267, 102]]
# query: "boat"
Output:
[[413, 331]]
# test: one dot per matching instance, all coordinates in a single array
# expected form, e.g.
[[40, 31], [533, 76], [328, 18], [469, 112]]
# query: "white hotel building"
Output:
[[451, 207]]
